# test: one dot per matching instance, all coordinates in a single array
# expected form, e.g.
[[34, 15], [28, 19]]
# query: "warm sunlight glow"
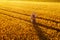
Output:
[[29, 20]]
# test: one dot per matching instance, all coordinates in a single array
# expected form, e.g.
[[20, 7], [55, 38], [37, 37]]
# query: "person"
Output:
[[33, 18]]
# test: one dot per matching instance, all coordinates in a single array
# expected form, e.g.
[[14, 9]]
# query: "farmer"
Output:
[[33, 18]]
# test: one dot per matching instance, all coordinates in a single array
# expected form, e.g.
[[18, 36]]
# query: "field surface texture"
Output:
[[15, 21]]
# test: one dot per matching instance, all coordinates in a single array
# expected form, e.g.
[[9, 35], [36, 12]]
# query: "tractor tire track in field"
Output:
[[54, 21], [48, 27], [37, 20], [29, 15], [40, 33], [38, 30]]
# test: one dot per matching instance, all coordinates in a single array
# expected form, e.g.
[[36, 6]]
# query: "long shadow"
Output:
[[29, 15], [39, 24], [40, 33]]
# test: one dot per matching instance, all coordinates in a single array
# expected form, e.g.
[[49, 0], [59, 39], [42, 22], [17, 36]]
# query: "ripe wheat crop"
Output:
[[15, 21]]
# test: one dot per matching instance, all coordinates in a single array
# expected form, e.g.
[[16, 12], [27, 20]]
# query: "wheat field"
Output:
[[15, 21]]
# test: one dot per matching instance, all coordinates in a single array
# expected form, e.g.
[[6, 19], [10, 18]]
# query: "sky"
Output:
[[35, 0]]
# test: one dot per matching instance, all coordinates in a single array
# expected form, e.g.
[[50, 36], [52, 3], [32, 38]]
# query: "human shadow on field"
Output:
[[39, 32]]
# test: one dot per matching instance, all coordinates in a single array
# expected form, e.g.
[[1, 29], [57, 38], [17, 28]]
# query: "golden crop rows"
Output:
[[14, 27]]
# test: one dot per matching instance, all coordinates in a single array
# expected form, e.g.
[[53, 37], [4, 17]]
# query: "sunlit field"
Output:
[[15, 21]]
